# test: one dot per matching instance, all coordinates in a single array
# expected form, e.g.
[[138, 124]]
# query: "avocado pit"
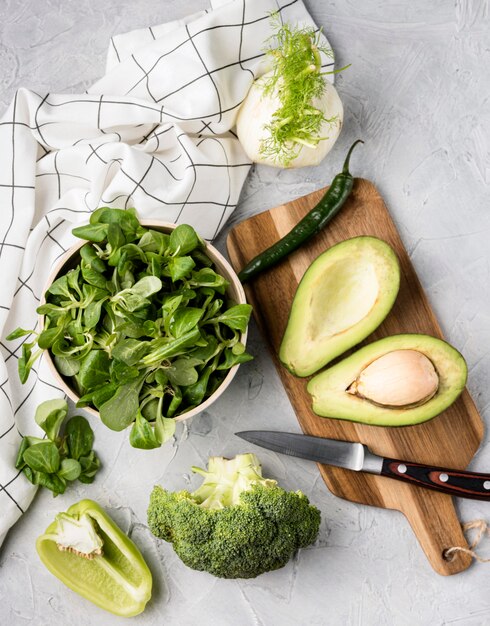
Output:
[[397, 379]]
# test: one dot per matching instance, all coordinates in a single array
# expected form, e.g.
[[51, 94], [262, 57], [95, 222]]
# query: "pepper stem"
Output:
[[345, 169]]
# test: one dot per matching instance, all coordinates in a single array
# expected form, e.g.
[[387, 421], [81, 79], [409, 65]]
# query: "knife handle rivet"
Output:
[[443, 478], [486, 485], [402, 468]]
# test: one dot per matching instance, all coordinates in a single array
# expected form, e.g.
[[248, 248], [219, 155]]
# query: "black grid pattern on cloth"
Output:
[[156, 133]]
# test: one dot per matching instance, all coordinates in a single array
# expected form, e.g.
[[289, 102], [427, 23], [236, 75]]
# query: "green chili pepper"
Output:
[[310, 225], [90, 554]]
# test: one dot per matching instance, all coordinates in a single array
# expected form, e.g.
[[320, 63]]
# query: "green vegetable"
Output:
[[343, 296], [313, 222], [142, 327], [291, 116], [50, 415], [237, 524], [335, 392], [70, 469], [43, 457], [91, 555], [79, 437], [64, 456], [298, 80]]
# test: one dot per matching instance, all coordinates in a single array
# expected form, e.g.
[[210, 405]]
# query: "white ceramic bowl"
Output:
[[235, 293]]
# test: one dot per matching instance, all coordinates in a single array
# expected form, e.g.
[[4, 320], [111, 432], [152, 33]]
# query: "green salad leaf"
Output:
[[65, 456], [50, 415], [79, 437], [70, 469], [142, 328], [43, 457]]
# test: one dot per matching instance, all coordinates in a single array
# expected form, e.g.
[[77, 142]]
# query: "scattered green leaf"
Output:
[[44, 457], [79, 436], [50, 416], [64, 456]]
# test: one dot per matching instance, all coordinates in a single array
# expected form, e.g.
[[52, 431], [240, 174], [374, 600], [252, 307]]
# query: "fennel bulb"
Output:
[[291, 116]]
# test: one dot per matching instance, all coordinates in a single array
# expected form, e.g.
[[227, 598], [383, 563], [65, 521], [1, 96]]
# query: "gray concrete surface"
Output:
[[418, 93]]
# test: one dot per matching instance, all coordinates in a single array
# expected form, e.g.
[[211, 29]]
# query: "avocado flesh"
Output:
[[331, 399], [343, 297]]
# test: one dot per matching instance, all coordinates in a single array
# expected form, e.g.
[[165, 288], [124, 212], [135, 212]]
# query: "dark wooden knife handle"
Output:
[[453, 482]]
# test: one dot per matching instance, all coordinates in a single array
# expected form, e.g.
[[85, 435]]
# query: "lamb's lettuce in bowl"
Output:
[[143, 323]]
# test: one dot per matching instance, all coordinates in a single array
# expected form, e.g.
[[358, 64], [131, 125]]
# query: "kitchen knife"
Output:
[[358, 457]]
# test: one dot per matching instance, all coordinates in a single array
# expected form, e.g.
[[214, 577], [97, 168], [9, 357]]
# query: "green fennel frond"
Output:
[[297, 80]]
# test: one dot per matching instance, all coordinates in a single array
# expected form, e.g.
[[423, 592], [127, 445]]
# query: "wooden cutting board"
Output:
[[449, 440]]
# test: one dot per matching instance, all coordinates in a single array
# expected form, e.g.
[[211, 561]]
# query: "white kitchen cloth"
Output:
[[155, 133]]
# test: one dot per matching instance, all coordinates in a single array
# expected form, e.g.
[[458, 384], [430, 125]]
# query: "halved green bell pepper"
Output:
[[89, 553]]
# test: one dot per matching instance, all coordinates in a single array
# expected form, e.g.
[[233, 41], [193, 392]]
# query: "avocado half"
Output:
[[344, 295], [331, 399]]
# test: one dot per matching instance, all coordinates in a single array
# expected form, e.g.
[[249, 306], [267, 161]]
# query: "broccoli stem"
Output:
[[226, 479]]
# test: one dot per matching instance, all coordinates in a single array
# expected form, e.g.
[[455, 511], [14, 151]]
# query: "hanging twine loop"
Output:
[[482, 529]]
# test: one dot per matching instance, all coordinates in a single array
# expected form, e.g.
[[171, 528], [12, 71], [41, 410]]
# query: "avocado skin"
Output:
[[331, 400], [303, 355]]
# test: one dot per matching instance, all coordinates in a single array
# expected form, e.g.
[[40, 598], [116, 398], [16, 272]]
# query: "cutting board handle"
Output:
[[434, 521]]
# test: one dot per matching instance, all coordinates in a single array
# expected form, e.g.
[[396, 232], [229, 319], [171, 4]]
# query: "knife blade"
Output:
[[358, 457]]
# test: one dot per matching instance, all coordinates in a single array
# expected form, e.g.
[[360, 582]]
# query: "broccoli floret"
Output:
[[237, 524]]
